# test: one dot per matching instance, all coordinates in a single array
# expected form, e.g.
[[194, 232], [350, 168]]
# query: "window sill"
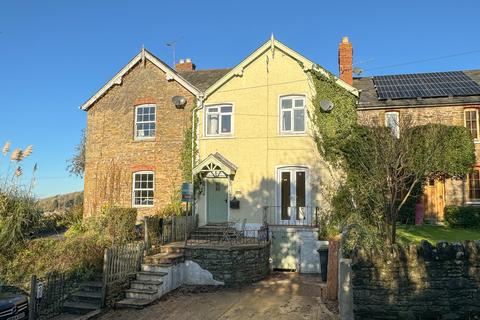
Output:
[[143, 139], [288, 134], [473, 203], [227, 136], [476, 141], [145, 206]]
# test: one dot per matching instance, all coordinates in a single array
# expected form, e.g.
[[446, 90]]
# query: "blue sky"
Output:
[[55, 54]]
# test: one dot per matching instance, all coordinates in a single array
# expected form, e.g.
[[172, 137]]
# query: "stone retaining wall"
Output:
[[418, 282], [232, 265]]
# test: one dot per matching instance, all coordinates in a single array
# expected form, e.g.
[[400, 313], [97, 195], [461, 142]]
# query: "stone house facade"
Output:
[[135, 136], [453, 110]]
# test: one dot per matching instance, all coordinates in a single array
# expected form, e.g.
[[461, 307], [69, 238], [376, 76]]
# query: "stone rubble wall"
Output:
[[232, 265], [418, 282]]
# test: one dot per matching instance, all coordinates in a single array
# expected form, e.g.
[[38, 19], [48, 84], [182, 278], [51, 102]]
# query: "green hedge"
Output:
[[120, 223], [462, 216]]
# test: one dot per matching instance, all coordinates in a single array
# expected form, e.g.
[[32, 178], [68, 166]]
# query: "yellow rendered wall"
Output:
[[256, 147]]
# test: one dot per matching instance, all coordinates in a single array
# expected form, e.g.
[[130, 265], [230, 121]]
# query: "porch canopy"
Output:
[[215, 166]]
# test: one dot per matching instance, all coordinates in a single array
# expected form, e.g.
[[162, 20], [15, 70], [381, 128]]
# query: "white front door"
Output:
[[293, 196]]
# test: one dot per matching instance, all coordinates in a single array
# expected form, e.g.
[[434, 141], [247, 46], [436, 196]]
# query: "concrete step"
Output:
[[151, 276], [175, 247], [94, 297], [76, 307], [143, 294], [147, 285], [133, 303], [91, 286], [165, 258]]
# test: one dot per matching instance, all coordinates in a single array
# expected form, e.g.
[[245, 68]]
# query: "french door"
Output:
[[293, 194]]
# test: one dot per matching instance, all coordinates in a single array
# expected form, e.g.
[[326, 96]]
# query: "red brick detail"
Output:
[[145, 101], [345, 61], [142, 167], [185, 66]]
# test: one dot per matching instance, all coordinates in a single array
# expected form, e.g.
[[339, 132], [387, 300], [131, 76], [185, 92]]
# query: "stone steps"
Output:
[[165, 258], [86, 299], [155, 277], [75, 307]]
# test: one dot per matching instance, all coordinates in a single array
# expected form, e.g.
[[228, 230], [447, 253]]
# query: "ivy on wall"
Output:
[[335, 126], [189, 149]]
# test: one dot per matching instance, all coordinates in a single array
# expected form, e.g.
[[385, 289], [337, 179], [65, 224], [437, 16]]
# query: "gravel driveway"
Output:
[[281, 296]]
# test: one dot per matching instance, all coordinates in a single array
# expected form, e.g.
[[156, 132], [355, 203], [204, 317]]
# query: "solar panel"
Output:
[[425, 85]]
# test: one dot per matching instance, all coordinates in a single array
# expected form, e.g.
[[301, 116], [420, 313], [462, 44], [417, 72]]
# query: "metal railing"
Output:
[[159, 231], [291, 216], [229, 236]]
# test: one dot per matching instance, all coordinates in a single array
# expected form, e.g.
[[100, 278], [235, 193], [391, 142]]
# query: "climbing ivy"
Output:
[[189, 149], [335, 126]]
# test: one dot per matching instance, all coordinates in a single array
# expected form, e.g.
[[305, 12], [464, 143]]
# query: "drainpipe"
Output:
[[194, 114]]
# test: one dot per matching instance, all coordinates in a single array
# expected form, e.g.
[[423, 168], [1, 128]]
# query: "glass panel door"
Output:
[[285, 195], [300, 195], [293, 196]]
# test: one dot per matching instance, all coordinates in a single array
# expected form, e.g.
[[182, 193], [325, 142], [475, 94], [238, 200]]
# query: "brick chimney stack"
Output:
[[345, 61], [185, 65]]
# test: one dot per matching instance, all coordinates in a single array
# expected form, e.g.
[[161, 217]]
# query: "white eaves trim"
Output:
[[142, 56], [271, 45]]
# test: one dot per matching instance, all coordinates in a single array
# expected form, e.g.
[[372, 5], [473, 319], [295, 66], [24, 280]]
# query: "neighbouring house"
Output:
[[136, 132], [257, 159], [451, 98]]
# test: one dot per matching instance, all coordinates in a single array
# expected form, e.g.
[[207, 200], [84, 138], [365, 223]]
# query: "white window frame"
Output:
[[292, 131], [143, 189], [136, 137], [219, 113], [476, 139], [396, 131]]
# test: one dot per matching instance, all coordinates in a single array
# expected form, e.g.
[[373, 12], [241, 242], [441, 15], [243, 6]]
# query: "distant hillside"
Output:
[[61, 202]]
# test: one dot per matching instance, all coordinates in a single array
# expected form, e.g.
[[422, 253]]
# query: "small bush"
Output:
[[18, 216], [462, 216], [120, 223]]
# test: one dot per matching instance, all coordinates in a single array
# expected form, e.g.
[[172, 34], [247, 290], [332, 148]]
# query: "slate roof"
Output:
[[202, 79], [369, 100]]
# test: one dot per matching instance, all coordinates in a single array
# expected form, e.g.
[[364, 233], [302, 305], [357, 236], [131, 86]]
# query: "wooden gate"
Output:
[[434, 199]]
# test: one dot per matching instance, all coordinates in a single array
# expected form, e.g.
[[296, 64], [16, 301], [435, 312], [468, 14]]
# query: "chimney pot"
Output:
[[185, 65], [345, 61]]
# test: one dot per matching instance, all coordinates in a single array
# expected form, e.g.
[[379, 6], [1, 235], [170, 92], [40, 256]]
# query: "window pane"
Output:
[[145, 122], [471, 122], [226, 109], [212, 124], [212, 110], [286, 103], [299, 120], [299, 103], [286, 120], [226, 123], [392, 122], [143, 189]]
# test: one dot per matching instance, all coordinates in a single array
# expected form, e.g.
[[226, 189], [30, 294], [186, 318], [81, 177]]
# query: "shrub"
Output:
[[18, 216], [120, 223], [462, 216], [81, 256]]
